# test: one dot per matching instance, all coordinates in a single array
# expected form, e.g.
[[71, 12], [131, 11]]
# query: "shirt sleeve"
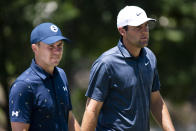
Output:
[[99, 82], [20, 102], [156, 81]]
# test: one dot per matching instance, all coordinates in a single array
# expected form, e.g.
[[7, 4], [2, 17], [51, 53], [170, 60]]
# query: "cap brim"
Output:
[[139, 22], [53, 39]]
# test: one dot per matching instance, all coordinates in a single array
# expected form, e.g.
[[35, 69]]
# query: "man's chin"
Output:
[[56, 63], [145, 42]]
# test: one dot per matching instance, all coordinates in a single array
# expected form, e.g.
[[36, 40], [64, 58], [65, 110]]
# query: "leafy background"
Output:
[[91, 25]]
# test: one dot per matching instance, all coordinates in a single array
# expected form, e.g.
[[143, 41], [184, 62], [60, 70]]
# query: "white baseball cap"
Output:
[[133, 16]]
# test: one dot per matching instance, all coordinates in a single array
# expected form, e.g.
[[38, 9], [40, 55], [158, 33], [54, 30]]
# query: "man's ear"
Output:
[[34, 47], [121, 31]]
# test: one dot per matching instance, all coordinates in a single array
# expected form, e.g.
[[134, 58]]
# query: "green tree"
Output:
[[91, 25]]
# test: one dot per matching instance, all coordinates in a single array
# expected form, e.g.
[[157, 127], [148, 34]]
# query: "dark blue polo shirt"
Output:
[[124, 84], [40, 99]]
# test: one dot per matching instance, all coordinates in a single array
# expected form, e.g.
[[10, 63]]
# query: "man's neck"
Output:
[[134, 51], [46, 68], [49, 70]]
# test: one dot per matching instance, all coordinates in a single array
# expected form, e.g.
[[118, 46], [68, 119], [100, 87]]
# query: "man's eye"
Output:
[[51, 47], [60, 45]]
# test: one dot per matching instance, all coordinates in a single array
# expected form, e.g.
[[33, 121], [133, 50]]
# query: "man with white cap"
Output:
[[40, 98], [124, 84]]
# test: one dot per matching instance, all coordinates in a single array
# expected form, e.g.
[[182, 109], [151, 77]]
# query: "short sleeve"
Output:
[[20, 102], [156, 81], [99, 82]]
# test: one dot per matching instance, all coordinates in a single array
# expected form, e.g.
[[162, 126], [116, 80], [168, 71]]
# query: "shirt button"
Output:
[[20, 94]]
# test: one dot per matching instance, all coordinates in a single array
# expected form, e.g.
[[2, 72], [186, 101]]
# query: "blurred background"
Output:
[[91, 25]]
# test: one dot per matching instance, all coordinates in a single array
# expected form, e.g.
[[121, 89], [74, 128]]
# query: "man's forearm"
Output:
[[167, 124], [160, 112], [89, 121]]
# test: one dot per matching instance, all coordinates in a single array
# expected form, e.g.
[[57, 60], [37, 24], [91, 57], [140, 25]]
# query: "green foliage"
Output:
[[78, 100], [91, 25]]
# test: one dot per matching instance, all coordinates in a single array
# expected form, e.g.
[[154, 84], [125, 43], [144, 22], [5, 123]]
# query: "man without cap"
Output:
[[39, 98], [124, 84]]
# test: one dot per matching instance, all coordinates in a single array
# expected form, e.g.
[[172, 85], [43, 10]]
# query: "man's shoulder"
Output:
[[109, 55], [22, 82], [28, 77], [111, 52], [26, 74]]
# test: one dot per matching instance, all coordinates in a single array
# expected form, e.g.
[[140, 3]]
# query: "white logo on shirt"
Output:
[[54, 28], [146, 63], [64, 88], [15, 113], [115, 85]]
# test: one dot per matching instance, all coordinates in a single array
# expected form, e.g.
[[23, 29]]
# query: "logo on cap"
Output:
[[138, 13], [54, 28]]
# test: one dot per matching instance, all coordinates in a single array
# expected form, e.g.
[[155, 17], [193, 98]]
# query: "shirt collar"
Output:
[[123, 49], [39, 71], [126, 53]]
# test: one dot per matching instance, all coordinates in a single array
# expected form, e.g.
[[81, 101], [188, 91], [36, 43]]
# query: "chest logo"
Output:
[[115, 85], [15, 113], [146, 63], [64, 88]]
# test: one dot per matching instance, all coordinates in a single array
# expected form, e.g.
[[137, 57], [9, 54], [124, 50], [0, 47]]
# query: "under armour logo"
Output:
[[115, 85], [64, 88], [54, 28], [15, 113]]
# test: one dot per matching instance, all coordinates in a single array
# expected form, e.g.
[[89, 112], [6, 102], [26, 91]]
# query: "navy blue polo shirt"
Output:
[[124, 84], [41, 100]]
